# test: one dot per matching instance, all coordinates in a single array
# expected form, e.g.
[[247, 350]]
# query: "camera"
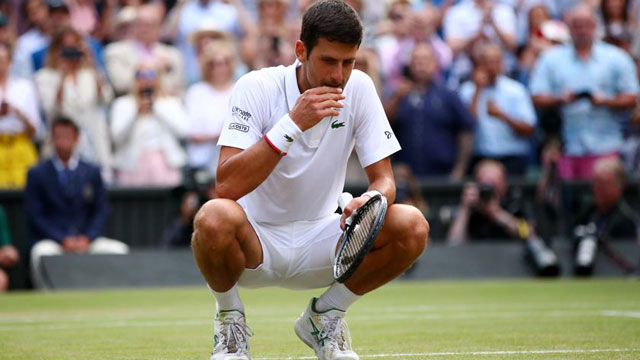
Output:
[[486, 192], [71, 53], [543, 258], [586, 248]]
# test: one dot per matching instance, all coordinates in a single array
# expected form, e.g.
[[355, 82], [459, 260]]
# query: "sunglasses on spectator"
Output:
[[146, 74]]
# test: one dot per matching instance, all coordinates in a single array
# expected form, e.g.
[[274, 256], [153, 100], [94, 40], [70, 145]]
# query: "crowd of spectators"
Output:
[[147, 81], [521, 87]]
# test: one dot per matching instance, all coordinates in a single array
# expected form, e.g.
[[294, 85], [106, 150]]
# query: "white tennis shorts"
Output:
[[297, 255]]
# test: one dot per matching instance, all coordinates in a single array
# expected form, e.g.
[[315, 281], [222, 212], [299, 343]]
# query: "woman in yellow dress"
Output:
[[20, 125]]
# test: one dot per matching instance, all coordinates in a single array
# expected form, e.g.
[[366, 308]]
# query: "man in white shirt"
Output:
[[285, 145]]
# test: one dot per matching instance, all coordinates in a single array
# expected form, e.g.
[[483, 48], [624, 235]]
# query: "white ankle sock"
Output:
[[337, 296], [228, 300]]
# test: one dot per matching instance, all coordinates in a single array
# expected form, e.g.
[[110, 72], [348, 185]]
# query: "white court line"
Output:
[[199, 321], [473, 353], [629, 314]]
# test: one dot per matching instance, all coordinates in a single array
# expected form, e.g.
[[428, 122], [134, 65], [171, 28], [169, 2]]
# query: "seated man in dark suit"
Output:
[[66, 203]]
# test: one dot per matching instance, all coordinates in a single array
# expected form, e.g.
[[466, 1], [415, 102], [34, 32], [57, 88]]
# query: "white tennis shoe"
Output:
[[326, 333], [231, 337]]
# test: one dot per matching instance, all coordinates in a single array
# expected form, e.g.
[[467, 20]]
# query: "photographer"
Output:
[[604, 218], [147, 128], [71, 86], [487, 213]]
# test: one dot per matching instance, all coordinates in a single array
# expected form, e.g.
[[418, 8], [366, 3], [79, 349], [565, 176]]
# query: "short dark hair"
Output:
[[334, 20], [64, 121]]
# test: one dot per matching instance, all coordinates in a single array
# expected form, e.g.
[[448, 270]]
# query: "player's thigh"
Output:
[[220, 221], [403, 223]]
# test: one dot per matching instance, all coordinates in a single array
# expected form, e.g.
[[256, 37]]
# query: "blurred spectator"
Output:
[[71, 86], [84, 16], [617, 23], [274, 41], [7, 31], [205, 122], [431, 123], [612, 216], [8, 254], [488, 211], [370, 13], [471, 21], [228, 16], [66, 203], [544, 33], [524, 9], [394, 46], [37, 14], [59, 19], [630, 151], [367, 61], [146, 128], [594, 85], [178, 233], [606, 218], [407, 188], [424, 26], [504, 112], [20, 124], [122, 58]]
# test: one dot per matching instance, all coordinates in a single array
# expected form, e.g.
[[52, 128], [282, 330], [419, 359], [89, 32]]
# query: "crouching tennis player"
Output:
[[287, 136]]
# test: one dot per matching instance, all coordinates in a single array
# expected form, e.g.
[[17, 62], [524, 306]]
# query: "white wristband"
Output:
[[372, 193], [283, 134]]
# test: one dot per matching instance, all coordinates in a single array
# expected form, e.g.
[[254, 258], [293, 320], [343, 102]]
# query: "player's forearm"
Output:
[[386, 187], [241, 173]]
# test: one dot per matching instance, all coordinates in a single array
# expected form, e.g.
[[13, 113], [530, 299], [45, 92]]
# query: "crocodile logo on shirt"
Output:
[[288, 138], [336, 125]]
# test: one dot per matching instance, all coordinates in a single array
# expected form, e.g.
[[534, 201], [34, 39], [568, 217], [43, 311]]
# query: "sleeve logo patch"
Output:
[[240, 114], [239, 127], [388, 134]]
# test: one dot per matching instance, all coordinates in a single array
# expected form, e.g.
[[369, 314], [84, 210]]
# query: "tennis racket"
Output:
[[360, 232]]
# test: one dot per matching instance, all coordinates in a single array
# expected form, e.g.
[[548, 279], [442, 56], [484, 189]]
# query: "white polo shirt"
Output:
[[306, 183]]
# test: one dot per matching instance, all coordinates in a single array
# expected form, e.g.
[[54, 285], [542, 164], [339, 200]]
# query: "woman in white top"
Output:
[[19, 124], [207, 102], [70, 86], [146, 128]]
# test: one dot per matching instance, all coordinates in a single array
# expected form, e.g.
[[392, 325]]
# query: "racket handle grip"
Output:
[[344, 199]]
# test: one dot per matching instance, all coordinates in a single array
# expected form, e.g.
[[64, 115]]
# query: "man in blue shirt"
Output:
[[504, 112], [594, 85], [430, 122]]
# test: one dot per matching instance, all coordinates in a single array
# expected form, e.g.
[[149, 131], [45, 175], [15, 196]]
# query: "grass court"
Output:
[[530, 319]]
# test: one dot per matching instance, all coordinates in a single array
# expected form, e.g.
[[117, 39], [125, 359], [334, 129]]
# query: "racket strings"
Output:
[[359, 235]]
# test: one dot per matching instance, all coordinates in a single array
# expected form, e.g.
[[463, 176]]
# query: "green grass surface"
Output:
[[404, 320]]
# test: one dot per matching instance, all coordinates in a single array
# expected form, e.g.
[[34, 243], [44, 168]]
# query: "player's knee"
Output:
[[214, 220], [416, 235]]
